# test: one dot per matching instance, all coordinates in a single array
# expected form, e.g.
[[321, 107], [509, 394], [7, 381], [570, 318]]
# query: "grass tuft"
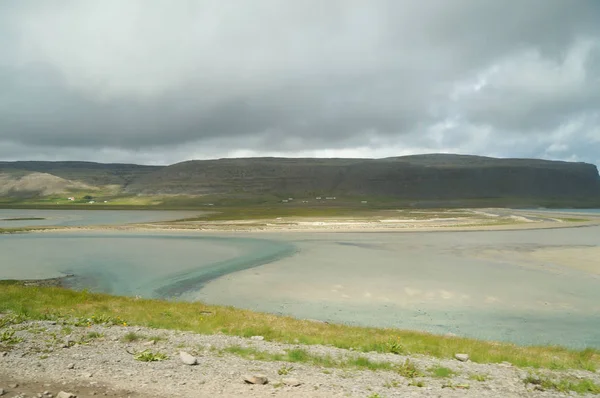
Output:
[[149, 356], [478, 377], [441, 372], [131, 337]]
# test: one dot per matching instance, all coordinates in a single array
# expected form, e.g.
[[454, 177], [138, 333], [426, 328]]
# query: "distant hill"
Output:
[[420, 177], [87, 172]]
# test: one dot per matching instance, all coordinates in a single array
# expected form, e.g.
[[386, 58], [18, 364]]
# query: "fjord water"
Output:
[[16, 218], [528, 286]]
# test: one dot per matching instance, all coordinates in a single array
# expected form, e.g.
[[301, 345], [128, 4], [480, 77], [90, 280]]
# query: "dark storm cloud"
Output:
[[162, 81]]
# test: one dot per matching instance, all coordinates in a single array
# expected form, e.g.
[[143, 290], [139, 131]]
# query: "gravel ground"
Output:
[[51, 357]]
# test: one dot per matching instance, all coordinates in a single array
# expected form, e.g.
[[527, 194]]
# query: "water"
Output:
[[528, 287], [67, 218], [490, 285], [578, 211], [145, 264]]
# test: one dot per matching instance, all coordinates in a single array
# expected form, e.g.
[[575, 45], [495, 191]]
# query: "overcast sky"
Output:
[[162, 81]]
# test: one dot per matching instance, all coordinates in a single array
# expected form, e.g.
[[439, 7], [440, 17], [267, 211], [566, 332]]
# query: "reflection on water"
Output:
[[491, 285]]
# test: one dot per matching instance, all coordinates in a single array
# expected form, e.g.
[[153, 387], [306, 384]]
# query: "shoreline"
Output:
[[234, 228], [401, 220]]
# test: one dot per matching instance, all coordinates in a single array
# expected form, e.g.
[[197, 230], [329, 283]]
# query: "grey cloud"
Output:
[[162, 81]]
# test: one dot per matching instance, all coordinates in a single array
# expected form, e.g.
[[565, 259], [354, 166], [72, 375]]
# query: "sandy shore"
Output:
[[451, 221]]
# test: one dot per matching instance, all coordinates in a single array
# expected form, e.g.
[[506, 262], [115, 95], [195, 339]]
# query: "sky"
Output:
[[162, 81]]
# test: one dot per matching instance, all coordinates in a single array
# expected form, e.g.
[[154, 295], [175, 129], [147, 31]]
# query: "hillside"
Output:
[[96, 174], [412, 177], [436, 177]]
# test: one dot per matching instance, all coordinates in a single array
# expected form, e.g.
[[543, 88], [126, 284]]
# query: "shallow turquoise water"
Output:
[[149, 265], [477, 284]]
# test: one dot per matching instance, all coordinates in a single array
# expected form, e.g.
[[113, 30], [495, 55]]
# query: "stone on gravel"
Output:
[[462, 357], [1, 392], [256, 379], [188, 359], [3, 354], [63, 394], [257, 338], [292, 382], [14, 385], [71, 366]]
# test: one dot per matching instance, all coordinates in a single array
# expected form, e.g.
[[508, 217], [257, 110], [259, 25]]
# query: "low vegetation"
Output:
[[27, 302], [149, 356], [303, 356], [580, 386], [480, 377], [441, 372]]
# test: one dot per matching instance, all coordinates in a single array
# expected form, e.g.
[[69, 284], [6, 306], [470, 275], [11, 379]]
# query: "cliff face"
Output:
[[413, 177]]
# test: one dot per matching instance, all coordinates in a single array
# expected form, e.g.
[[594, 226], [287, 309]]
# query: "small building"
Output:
[[71, 198]]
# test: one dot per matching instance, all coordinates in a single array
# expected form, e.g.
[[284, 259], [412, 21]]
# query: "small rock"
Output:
[[150, 342], [462, 357], [257, 338], [292, 382], [14, 385], [71, 366], [63, 394], [505, 364], [87, 375], [3, 354], [188, 359], [46, 392], [256, 379], [2, 392]]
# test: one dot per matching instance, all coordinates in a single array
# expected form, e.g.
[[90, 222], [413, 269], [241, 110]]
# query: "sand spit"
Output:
[[406, 221], [100, 360]]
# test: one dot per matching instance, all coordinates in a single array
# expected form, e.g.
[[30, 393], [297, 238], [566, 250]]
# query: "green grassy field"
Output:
[[57, 303], [110, 200]]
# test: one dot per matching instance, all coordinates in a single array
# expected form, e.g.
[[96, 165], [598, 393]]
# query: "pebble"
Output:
[[14, 385], [257, 338], [71, 366], [256, 379], [188, 359], [2, 392], [63, 394], [462, 357], [292, 382], [3, 354]]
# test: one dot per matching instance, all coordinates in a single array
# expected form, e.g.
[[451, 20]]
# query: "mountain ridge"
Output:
[[413, 177]]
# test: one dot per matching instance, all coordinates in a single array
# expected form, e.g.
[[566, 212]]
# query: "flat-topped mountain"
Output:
[[418, 177]]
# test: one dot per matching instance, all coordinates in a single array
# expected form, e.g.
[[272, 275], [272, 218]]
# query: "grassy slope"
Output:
[[47, 302]]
